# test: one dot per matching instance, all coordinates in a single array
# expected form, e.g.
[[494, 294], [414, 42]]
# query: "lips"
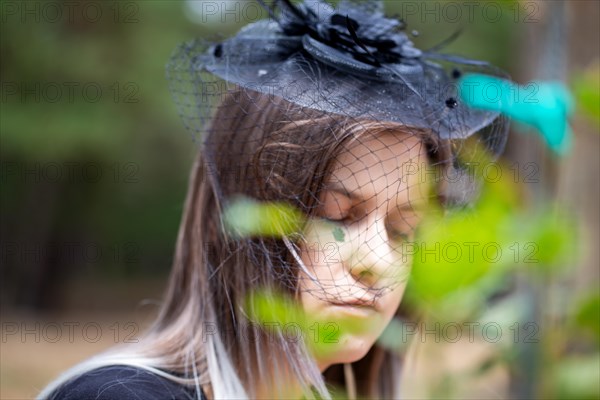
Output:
[[358, 303], [349, 311]]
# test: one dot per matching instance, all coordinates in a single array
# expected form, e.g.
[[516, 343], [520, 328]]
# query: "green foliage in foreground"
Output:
[[460, 259]]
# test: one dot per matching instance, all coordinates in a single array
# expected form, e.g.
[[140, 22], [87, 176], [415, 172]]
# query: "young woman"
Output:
[[319, 129]]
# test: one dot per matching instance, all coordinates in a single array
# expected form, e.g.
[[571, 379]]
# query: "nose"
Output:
[[373, 261]]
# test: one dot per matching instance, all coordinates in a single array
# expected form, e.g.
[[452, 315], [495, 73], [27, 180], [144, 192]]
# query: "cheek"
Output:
[[309, 289], [392, 300], [309, 303], [321, 253], [327, 276]]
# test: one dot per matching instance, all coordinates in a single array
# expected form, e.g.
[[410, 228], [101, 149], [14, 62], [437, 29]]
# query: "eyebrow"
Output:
[[338, 187]]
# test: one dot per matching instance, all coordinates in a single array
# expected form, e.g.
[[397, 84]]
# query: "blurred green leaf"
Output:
[[551, 241], [322, 336], [586, 87], [460, 256], [578, 377], [245, 217], [587, 316]]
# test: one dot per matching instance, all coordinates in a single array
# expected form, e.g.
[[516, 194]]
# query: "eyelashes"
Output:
[[345, 217], [400, 236], [404, 233]]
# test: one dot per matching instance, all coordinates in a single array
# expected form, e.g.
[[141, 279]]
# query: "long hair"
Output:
[[270, 150]]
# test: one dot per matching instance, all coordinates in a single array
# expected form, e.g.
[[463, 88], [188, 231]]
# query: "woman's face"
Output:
[[371, 205]]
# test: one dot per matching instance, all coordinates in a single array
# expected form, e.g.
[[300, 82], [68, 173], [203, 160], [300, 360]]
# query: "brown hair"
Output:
[[267, 149]]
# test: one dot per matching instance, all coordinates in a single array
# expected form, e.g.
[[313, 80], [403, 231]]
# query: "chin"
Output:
[[351, 349]]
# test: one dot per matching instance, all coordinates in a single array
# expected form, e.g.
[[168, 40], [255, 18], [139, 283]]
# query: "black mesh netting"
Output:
[[336, 113]]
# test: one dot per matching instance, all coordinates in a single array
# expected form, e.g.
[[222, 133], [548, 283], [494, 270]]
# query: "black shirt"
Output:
[[121, 382]]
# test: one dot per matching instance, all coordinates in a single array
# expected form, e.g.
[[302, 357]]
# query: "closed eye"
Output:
[[399, 236], [401, 230], [347, 217]]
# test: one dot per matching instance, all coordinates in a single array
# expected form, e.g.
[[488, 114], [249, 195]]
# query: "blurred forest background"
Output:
[[95, 161]]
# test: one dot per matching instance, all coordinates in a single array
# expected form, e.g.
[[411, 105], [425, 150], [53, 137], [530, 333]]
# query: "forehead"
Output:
[[385, 164]]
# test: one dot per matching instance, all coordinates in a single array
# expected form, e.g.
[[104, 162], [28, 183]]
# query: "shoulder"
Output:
[[123, 383]]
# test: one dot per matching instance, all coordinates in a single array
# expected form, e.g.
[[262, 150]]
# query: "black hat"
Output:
[[350, 60]]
